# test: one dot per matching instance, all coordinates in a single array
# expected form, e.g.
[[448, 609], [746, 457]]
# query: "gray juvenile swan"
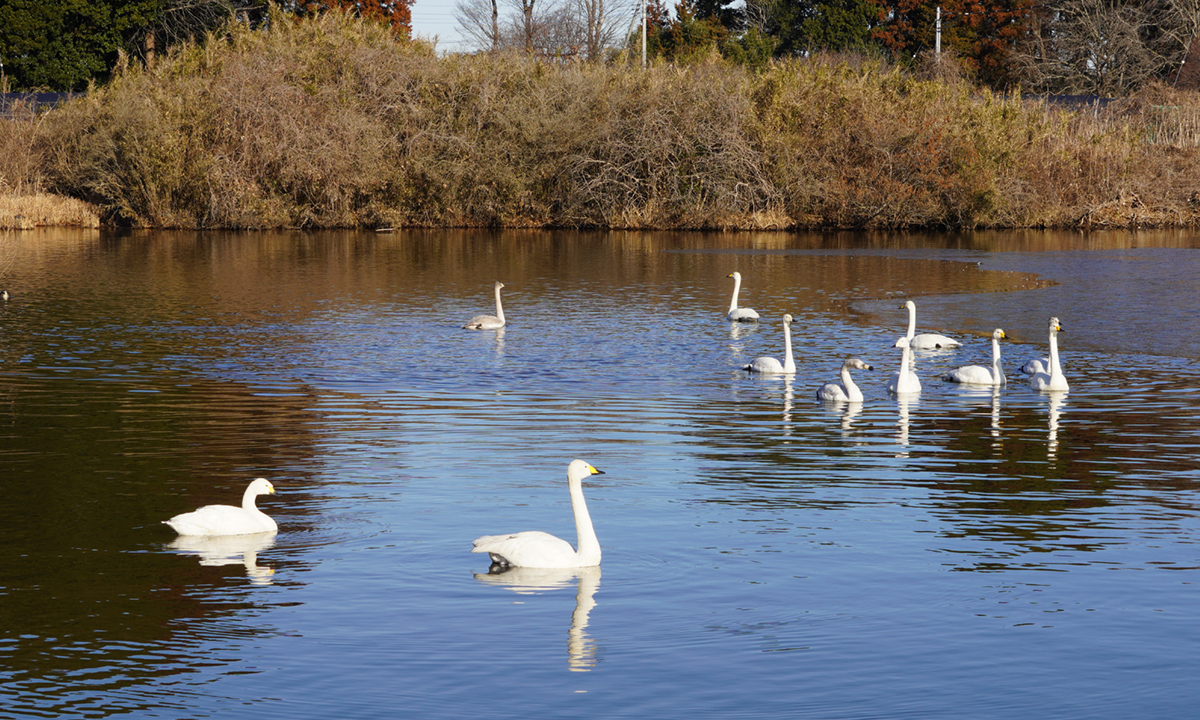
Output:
[[1051, 378], [924, 341], [846, 390], [227, 519], [736, 313], [977, 374], [771, 366], [489, 322], [536, 549]]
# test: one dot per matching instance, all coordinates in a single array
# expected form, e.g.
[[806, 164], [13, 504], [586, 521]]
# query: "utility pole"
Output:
[[643, 34], [937, 41]]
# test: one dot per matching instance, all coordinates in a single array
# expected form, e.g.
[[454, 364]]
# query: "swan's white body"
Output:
[[905, 380], [1051, 378], [227, 519], [924, 341], [736, 313], [489, 322], [771, 366], [978, 374], [846, 390], [535, 549]]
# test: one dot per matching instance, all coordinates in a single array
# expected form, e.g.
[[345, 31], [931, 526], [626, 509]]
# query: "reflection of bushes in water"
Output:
[[331, 122]]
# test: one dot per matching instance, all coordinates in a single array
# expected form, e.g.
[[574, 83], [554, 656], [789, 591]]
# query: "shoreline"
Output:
[[33, 210]]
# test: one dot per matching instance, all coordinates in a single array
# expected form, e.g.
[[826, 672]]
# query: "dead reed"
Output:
[[330, 122]]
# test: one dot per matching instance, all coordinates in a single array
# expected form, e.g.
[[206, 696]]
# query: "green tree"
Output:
[[801, 26], [62, 44], [688, 36]]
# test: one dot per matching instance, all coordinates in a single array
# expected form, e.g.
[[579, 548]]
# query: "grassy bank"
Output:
[[329, 122]]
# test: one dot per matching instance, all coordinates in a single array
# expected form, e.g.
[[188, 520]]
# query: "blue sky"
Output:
[[436, 17]]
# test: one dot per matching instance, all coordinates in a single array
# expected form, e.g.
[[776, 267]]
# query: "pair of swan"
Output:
[[532, 549], [489, 322], [905, 380], [1047, 373], [213, 520]]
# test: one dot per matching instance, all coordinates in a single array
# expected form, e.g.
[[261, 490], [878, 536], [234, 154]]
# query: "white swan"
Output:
[[489, 322], [536, 549], [771, 366], [846, 390], [736, 313], [905, 380], [978, 374], [924, 341], [1051, 378], [227, 519]]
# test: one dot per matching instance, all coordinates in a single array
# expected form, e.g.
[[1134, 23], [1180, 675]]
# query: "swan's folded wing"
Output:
[[221, 520], [971, 375], [528, 549]]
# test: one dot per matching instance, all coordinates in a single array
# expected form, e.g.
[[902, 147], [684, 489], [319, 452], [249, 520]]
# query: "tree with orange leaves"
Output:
[[397, 14], [981, 32]]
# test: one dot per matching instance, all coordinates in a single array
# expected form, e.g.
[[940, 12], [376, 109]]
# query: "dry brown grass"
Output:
[[330, 122], [24, 212]]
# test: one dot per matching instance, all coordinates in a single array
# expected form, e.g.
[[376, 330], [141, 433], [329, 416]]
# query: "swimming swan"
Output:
[[537, 549], [924, 341], [977, 374], [771, 366], [1053, 379], [846, 390], [227, 519], [736, 313], [489, 322], [905, 380]]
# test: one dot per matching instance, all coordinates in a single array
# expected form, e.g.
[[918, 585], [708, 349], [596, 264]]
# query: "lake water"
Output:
[[960, 554]]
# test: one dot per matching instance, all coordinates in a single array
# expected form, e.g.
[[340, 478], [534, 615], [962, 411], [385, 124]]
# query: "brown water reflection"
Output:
[[146, 373]]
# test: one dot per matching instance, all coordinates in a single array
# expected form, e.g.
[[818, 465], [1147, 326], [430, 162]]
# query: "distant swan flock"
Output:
[[540, 550]]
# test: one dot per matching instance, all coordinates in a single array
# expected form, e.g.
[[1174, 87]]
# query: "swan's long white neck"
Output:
[[912, 322], [907, 374], [499, 309], [589, 545], [1056, 372], [737, 286], [997, 372], [789, 363], [852, 391], [248, 498]]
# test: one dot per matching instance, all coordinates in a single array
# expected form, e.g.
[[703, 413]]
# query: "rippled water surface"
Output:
[[961, 553]]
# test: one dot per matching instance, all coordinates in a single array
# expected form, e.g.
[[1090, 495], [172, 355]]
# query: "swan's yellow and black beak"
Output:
[[595, 471]]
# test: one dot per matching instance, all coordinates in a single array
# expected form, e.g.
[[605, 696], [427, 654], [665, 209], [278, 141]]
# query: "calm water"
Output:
[[961, 554]]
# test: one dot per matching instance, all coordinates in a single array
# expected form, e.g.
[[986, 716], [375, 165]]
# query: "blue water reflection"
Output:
[[964, 552]]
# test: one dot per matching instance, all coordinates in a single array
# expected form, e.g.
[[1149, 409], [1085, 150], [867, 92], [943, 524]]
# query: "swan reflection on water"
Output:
[[581, 650], [996, 415], [903, 403], [219, 550], [1056, 401]]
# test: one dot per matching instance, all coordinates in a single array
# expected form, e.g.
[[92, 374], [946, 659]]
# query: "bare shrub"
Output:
[[331, 122]]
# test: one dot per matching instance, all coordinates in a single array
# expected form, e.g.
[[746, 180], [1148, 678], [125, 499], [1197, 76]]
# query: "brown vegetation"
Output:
[[330, 122]]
